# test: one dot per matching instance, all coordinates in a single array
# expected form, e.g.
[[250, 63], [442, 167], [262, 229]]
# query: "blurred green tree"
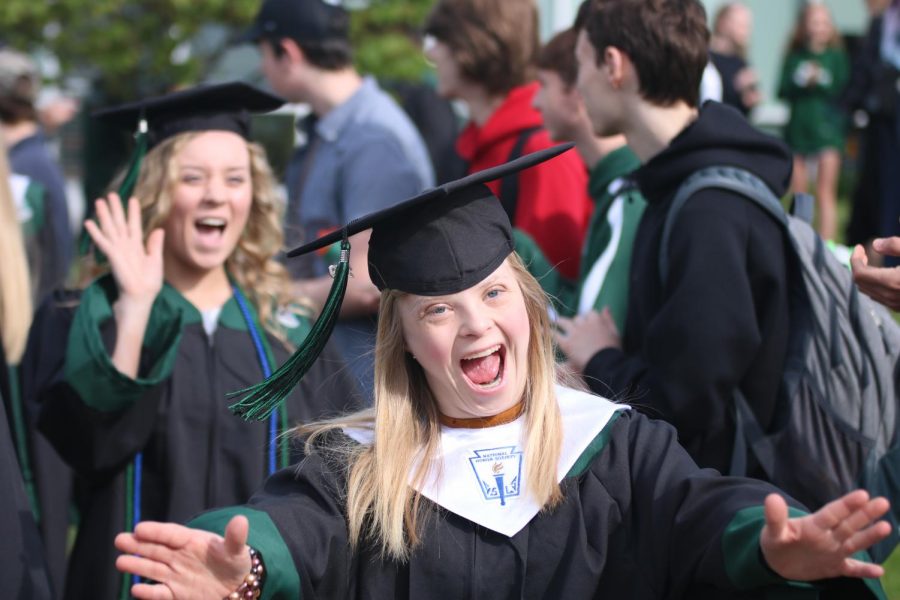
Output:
[[386, 39], [125, 47], [131, 48]]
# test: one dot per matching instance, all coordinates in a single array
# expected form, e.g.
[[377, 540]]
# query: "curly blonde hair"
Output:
[[252, 264]]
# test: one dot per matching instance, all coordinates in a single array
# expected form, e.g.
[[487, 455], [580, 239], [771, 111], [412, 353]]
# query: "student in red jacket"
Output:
[[483, 52]]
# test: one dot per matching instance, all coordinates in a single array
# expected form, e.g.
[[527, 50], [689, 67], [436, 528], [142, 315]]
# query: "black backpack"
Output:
[[837, 413]]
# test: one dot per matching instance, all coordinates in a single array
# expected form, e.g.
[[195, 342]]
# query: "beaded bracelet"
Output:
[[251, 587]]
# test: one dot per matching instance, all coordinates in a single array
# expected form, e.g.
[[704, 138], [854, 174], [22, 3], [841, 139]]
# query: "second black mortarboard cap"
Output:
[[219, 107], [442, 241]]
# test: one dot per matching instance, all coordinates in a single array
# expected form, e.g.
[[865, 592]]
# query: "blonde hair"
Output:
[[15, 285], [383, 506], [252, 263]]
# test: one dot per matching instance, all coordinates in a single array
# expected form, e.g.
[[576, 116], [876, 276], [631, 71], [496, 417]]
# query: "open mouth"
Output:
[[484, 370], [211, 226]]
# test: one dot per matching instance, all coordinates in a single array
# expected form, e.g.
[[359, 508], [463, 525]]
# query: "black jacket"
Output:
[[722, 320], [195, 453], [22, 567]]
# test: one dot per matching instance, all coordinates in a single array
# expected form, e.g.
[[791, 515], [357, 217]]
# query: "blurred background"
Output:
[[103, 52]]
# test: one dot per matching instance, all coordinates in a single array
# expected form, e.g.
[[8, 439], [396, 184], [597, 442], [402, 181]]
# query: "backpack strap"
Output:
[[734, 179], [803, 207], [509, 185], [749, 435]]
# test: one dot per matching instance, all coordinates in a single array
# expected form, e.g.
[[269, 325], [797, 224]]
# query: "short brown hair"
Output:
[[493, 41], [19, 86], [558, 56], [666, 40], [332, 54]]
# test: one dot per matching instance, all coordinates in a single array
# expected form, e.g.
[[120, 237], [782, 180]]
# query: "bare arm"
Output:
[[138, 272]]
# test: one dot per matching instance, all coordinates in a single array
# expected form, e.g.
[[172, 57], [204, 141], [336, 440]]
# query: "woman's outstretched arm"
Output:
[[821, 545], [185, 563]]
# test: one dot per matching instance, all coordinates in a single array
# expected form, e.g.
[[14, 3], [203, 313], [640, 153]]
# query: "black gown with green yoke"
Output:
[[639, 521], [165, 446]]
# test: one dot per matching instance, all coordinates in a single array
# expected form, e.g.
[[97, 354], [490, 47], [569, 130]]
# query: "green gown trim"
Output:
[[282, 579]]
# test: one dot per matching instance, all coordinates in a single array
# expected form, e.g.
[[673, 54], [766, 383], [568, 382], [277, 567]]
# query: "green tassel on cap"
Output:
[[137, 158], [263, 397], [128, 183]]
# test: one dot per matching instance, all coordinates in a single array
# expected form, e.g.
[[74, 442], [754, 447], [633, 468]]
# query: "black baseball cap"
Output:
[[300, 20]]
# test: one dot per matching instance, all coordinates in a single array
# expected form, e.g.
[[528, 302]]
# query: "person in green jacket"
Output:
[[602, 283], [814, 75]]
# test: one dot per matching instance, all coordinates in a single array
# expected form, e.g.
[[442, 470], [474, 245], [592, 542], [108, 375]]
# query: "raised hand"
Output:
[[582, 337], [187, 564], [138, 270], [882, 284], [819, 546]]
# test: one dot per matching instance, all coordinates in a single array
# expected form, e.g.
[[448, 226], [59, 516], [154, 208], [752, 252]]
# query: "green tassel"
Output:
[[263, 397], [137, 158], [127, 186]]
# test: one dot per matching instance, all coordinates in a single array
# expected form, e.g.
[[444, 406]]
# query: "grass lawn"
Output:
[[891, 579]]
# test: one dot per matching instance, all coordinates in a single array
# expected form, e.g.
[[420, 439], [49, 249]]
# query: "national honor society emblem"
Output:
[[499, 472]]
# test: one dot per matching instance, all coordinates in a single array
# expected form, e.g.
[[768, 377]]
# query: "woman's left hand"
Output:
[[882, 284], [185, 563], [819, 546], [586, 335]]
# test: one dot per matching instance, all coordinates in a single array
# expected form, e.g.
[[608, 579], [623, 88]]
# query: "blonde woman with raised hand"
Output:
[[478, 475], [193, 306]]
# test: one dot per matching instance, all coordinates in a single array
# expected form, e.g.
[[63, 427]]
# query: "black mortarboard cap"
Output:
[[225, 106], [442, 241], [300, 20]]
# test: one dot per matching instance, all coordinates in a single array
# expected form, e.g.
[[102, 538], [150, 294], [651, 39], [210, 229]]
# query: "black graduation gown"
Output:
[[52, 479], [22, 568], [195, 454], [640, 521]]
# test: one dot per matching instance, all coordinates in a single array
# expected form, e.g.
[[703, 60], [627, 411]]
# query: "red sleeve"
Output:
[[554, 206]]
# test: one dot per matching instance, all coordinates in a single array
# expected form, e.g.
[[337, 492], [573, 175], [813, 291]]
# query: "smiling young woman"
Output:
[[187, 305]]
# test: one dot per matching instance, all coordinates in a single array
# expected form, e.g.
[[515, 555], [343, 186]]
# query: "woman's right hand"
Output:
[[185, 563], [138, 270]]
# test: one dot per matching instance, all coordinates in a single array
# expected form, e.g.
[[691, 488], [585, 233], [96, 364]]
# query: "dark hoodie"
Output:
[[721, 321]]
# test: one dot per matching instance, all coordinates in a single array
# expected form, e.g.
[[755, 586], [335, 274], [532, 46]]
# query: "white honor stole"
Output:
[[480, 474]]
